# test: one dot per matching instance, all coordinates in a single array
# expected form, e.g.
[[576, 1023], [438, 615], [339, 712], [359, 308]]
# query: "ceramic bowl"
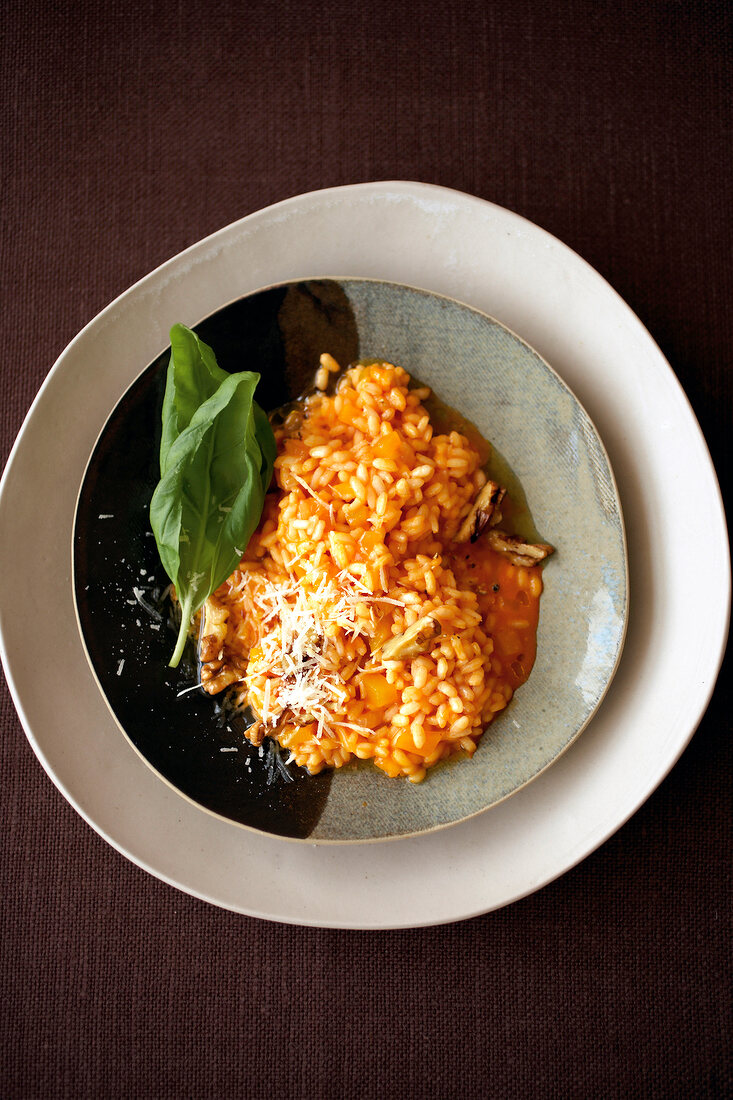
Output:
[[518, 402]]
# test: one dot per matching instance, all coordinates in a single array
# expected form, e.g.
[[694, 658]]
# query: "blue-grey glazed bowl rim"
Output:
[[342, 777]]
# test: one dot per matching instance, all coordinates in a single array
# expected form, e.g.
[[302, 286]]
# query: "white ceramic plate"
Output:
[[478, 253]]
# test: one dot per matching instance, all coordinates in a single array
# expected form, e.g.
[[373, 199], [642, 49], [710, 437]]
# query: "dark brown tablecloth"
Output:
[[133, 129]]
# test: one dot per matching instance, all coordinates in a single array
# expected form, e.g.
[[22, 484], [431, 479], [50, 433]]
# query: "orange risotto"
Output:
[[365, 620]]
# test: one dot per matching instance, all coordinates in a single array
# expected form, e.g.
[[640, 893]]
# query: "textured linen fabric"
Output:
[[130, 131]]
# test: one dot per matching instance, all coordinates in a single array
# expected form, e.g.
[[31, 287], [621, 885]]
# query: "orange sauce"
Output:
[[509, 600]]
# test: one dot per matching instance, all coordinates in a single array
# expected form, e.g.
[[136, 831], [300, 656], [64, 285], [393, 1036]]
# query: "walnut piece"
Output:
[[518, 550], [258, 731], [417, 639], [255, 733], [222, 673], [219, 668], [483, 510]]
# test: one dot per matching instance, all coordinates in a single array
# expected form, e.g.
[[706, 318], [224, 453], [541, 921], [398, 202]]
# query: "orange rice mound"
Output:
[[353, 548]]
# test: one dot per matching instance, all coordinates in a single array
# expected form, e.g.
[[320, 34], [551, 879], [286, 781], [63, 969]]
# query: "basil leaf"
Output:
[[211, 492], [193, 376], [268, 446]]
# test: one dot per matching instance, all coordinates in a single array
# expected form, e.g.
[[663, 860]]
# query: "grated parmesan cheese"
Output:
[[302, 672]]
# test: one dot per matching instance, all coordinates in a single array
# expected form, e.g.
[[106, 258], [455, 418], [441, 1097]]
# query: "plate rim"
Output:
[[434, 194]]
